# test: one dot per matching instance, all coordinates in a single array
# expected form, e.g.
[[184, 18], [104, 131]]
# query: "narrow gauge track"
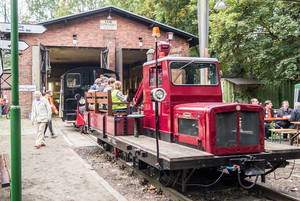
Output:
[[260, 190]]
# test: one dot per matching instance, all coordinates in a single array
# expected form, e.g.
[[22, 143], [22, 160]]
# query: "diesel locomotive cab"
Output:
[[193, 113]]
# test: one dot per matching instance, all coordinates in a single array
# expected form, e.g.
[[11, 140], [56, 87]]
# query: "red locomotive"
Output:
[[196, 129]]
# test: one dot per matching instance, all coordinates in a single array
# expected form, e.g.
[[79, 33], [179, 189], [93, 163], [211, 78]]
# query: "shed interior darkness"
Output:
[[63, 59]]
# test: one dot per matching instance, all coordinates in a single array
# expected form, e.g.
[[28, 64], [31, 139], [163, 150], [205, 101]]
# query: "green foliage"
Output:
[[251, 38], [258, 39]]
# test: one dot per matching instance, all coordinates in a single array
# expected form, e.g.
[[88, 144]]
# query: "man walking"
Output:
[[40, 116], [54, 110]]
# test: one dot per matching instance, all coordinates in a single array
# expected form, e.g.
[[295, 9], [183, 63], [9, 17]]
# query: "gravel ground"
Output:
[[123, 180], [119, 178], [282, 183]]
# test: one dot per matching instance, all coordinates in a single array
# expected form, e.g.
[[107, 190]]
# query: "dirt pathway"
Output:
[[55, 172]]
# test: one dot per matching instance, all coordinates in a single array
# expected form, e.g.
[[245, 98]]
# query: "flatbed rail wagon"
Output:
[[197, 132]]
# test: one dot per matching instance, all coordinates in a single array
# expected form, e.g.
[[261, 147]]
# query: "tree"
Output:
[[258, 39]]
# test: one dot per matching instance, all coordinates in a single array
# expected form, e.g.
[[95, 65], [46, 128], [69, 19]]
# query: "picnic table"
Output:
[[297, 123], [281, 131], [272, 120]]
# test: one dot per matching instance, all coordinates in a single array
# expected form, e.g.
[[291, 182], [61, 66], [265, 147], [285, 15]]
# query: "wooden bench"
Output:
[[102, 102], [283, 131], [4, 170]]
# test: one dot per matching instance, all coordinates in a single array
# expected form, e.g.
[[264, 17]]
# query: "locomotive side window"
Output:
[[152, 76], [188, 127], [73, 80], [190, 73]]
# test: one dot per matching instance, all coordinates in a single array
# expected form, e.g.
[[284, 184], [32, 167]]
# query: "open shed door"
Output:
[[45, 67], [1, 63], [40, 67]]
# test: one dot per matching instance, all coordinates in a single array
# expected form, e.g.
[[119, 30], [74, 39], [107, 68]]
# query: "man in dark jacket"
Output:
[[285, 111], [295, 115]]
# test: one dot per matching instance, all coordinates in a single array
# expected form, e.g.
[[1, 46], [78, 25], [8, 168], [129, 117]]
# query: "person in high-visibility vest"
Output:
[[3, 101], [54, 110], [118, 97]]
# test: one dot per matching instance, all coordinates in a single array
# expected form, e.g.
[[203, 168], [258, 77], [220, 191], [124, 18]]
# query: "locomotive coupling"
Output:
[[249, 166]]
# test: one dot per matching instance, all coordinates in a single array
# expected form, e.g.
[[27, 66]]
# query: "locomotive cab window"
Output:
[[190, 73], [73, 80], [152, 76]]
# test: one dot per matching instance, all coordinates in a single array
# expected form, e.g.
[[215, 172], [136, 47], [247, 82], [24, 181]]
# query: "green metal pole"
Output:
[[15, 122]]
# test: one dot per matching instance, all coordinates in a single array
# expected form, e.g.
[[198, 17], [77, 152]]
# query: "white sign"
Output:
[[23, 28], [108, 24], [27, 88], [6, 44]]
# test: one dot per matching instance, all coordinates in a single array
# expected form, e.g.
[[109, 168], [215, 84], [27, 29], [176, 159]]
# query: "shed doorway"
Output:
[[133, 60], [63, 59]]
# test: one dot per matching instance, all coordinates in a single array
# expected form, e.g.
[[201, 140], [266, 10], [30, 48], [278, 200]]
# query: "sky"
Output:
[[22, 8]]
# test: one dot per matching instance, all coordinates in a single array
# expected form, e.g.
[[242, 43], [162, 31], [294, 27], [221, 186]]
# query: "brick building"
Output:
[[108, 37]]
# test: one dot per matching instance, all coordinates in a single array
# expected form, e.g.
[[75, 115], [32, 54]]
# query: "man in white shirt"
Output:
[[40, 116]]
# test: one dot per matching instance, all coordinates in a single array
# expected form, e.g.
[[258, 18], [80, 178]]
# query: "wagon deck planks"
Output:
[[280, 148], [169, 151]]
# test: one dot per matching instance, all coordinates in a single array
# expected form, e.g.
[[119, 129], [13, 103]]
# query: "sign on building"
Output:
[[108, 24], [27, 88], [23, 28], [6, 44]]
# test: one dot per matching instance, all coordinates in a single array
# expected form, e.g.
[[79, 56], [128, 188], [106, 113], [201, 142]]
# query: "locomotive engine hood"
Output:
[[220, 128]]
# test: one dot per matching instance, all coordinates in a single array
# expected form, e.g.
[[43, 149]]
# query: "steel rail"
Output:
[[177, 196], [169, 192], [274, 194]]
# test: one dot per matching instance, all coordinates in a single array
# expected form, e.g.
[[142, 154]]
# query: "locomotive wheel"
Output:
[[167, 178]]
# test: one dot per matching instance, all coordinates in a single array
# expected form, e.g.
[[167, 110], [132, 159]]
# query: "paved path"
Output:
[[56, 172]]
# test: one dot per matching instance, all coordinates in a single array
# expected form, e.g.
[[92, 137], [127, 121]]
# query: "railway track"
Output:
[[260, 190]]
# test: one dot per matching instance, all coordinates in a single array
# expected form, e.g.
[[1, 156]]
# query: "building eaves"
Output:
[[242, 81], [192, 39]]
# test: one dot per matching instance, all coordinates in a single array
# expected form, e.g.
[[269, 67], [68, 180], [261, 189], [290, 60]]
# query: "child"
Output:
[[111, 83], [118, 97]]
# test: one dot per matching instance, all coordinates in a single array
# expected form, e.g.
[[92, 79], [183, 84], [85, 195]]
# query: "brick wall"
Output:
[[89, 34]]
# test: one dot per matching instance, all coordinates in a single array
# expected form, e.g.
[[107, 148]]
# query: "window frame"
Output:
[[79, 81], [154, 76], [202, 85]]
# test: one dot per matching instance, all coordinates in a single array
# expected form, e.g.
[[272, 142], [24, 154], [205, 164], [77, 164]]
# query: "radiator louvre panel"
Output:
[[226, 127], [249, 128]]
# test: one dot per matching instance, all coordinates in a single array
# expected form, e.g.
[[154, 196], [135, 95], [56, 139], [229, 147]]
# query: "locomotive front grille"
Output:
[[249, 128], [227, 125]]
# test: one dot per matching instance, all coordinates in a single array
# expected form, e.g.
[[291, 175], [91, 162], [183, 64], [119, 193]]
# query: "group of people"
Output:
[[105, 84], [41, 115], [43, 106], [285, 111]]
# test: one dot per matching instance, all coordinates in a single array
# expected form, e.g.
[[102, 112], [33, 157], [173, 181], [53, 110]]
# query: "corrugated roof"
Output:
[[192, 39], [242, 81]]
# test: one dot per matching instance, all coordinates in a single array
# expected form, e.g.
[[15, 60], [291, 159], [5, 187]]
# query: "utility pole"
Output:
[[203, 14], [15, 122], [5, 14]]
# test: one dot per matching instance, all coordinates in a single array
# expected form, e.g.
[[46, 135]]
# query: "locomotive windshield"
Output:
[[190, 73]]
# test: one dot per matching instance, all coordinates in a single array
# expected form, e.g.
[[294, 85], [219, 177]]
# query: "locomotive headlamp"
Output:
[[156, 32], [158, 94]]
